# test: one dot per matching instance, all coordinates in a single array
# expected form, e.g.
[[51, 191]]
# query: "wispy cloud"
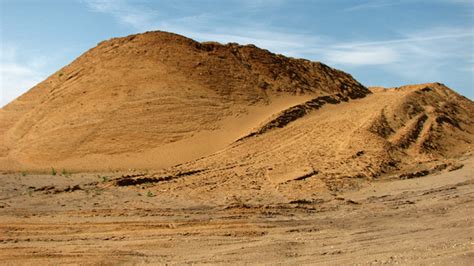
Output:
[[462, 2], [17, 75], [257, 4], [136, 16], [419, 56], [436, 43], [373, 4], [379, 4], [377, 55]]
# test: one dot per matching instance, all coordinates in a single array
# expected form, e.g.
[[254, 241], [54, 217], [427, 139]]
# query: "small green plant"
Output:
[[65, 173], [150, 194], [24, 173], [103, 178], [53, 171]]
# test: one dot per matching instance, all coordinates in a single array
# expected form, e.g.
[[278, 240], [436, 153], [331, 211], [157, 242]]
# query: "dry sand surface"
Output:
[[167, 150], [47, 219]]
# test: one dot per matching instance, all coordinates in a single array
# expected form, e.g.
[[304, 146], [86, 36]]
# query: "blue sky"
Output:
[[380, 42]]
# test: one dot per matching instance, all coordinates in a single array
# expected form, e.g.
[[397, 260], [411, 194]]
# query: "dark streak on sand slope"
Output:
[[293, 113]]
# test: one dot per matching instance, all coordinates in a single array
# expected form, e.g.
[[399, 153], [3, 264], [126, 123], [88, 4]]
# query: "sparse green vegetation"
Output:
[[53, 171], [150, 194], [103, 178], [65, 173], [24, 173]]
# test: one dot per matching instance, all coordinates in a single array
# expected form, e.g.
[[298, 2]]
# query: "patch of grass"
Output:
[[150, 194], [103, 178], [65, 173], [24, 173], [53, 171]]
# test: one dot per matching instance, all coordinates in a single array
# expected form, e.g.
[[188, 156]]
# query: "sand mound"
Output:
[[243, 155], [155, 99]]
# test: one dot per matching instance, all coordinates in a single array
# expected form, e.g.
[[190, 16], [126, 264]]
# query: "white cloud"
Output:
[[372, 5], [17, 76], [463, 2], [257, 4], [377, 4], [417, 56], [363, 56], [136, 16]]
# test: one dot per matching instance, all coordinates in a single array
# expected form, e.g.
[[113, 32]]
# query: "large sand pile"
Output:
[[158, 99], [153, 100]]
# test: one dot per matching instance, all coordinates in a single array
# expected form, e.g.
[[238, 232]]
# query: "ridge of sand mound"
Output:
[[153, 100], [428, 119], [295, 112]]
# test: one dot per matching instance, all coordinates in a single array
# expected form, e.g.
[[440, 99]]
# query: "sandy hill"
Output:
[[153, 100], [158, 99]]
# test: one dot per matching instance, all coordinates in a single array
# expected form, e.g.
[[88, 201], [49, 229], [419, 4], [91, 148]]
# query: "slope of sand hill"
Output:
[[401, 132], [155, 99]]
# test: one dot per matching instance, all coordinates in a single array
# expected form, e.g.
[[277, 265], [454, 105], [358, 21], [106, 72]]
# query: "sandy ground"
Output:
[[421, 220]]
